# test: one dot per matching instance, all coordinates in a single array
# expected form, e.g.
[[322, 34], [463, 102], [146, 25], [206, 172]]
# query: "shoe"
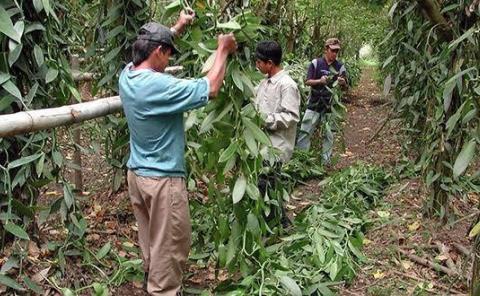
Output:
[[285, 221]]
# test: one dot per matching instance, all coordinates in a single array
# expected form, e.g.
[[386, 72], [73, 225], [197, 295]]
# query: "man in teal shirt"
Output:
[[154, 103]]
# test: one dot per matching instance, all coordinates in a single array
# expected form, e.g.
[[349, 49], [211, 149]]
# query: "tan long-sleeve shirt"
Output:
[[278, 99]]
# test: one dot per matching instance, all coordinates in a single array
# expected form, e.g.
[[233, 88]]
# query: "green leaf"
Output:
[[100, 289], [16, 230], [387, 85], [12, 89], [447, 95], [57, 158], [31, 94], [388, 61], [450, 86], [22, 161], [32, 285], [114, 32], [174, 5], [112, 54], [14, 54], [51, 75], [75, 93], [104, 251], [475, 230], [237, 79], [232, 25], [68, 195], [464, 158], [256, 131], [47, 7], [6, 26], [117, 179], [252, 224], [252, 191], [5, 102], [22, 209], [19, 28], [34, 27], [7, 281], [38, 54], [334, 270], [250, 141], [324, 290], [239, 189], [293, 237], [67, 292], [171, 9], [290, 285], [355, 251], [464, 36], [37, 4], [228, 153], [4, 77]]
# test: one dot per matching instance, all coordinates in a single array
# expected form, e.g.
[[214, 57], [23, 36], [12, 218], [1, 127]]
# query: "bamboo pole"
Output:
[[35, 120], [30, 121]]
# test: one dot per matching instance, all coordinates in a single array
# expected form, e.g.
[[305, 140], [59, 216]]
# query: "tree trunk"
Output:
[[432, 9]]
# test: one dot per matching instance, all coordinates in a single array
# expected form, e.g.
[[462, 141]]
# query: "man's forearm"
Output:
[[217, 73], [178, 28], [313, 82]]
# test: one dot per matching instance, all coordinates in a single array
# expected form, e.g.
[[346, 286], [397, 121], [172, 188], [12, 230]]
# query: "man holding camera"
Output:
[[322, 74]]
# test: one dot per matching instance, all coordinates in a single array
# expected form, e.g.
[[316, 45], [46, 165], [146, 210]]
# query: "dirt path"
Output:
[[367, 113], [400, 224]]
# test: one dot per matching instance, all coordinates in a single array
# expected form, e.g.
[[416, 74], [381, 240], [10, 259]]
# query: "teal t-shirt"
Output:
[[154, 103]]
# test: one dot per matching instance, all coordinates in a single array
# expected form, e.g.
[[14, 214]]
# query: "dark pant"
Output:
[[266, 184]]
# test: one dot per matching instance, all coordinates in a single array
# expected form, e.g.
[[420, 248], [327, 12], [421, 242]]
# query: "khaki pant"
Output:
[[160, 205]]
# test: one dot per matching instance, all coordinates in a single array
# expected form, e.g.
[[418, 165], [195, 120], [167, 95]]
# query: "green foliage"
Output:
[[303, 26], [34, 73], [436, 85], [325, 244], [304, 165]]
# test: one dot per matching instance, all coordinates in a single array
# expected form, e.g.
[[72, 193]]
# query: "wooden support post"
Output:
[[77, 142]]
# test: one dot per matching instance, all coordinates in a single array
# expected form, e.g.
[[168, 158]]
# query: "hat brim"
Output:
[[334, 46]]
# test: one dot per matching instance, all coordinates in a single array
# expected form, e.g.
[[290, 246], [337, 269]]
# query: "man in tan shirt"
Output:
[[278, 100]]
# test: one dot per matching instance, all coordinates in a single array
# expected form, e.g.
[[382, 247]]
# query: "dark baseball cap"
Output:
[[156, 32]]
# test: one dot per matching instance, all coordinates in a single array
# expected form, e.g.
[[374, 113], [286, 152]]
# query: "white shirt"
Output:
[[278, 99]]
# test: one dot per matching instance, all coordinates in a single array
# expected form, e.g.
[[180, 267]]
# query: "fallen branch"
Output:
[[464, 218], [445, 250], [428, 263], [384, 123], [464, 250], [447, 289]]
